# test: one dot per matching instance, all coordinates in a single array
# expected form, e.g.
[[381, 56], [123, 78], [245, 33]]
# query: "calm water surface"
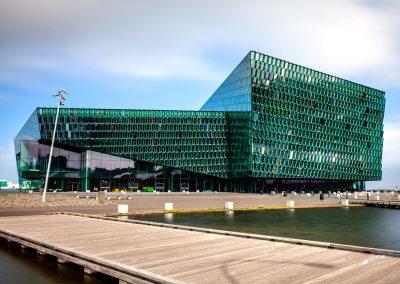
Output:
[[371, 227], [24, 266]]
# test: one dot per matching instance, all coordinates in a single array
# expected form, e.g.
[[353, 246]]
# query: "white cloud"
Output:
[[340, 37], [162, 66], [391, 150], [391, 158], [165, 39]]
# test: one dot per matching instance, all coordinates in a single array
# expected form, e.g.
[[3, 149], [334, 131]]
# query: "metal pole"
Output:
[[51, 154], [60, 94]]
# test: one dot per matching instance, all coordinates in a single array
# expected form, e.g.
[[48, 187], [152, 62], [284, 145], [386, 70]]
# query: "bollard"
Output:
[[30, 191], [377, 198], [197, 191], [228, 205], [355, 196], [344, 202], [102, 196], [138, 191], [168, 206], [88, 271], [61, 261], [272, 192], [290, 204], [308, 194], [122, 208], [169, 191]]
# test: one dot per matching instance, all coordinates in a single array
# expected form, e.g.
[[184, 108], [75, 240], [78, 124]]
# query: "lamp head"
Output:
[[62, 95]]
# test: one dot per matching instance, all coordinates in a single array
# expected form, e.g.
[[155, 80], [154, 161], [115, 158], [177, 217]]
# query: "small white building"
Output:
[[4, 184]]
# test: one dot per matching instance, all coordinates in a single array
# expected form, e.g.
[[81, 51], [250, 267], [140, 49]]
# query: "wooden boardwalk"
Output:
[[135, 252]]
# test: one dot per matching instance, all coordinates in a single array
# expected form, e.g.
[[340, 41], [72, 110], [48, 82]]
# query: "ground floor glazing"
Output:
[[75, 170]]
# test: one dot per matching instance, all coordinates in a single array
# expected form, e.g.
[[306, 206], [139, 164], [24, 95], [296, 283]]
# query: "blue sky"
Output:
[[174, 54]]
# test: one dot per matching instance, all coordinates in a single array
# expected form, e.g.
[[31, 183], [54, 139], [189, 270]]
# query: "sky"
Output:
[[174, 54]]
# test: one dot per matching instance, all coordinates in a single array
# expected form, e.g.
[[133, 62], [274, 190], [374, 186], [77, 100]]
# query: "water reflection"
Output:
[[230, 215], [26, 266], [123, 217], [169, 217], [371, 227]]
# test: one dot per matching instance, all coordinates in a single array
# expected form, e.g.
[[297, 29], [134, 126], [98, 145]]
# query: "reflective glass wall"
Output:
[[195, 141], [234, 94], [311, 125], [90, 170]]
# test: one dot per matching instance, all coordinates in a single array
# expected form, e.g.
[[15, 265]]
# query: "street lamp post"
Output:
[[61, 98]]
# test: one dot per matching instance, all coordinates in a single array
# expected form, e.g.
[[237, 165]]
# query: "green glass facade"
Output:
[[271, 124]]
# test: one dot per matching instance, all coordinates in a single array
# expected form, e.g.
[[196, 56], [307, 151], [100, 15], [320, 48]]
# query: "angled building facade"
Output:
[[270, 125]]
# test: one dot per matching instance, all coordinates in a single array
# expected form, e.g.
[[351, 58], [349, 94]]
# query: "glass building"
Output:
[[270, 125]]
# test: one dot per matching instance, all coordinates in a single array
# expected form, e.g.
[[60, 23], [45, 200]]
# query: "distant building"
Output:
[[270, 125], [4, 184]]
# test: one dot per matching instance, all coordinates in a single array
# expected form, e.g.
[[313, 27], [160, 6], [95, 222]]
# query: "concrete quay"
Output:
[[154, 203]]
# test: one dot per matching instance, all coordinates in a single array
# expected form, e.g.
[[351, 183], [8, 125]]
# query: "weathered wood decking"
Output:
[[133, 251]]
